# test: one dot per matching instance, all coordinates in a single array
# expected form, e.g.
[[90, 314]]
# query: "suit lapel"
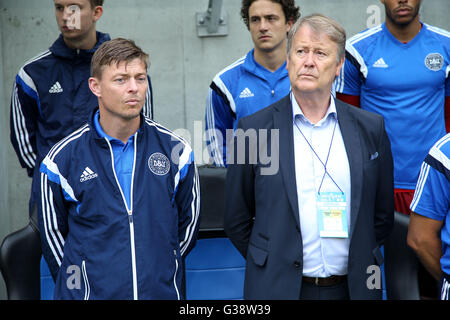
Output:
[[282, 118], [352, 142]]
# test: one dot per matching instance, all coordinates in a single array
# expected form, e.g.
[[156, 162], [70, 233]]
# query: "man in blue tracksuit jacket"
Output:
[[51, 96], [120, 196], [254, 81]]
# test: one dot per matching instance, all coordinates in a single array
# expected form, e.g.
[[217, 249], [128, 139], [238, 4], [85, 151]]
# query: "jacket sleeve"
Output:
[[148, 106], [384, 205], [52, 215], [23, 120], [350, 78], [187, 199], [239, 197], [219, 117]]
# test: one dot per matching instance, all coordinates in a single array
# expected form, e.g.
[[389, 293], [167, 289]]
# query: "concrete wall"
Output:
[[182, 64]]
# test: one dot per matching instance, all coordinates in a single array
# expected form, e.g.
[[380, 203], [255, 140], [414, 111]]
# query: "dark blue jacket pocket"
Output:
[[259, 256]]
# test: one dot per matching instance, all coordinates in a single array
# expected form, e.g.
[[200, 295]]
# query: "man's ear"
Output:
[[340, 64], [289, 25], [95, 87], [98, 12]]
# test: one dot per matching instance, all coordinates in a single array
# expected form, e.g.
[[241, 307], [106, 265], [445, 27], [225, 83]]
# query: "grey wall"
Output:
[[182, 64]]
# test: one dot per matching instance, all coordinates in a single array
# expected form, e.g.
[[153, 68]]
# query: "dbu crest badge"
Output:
[[434, 61], [159, 164]]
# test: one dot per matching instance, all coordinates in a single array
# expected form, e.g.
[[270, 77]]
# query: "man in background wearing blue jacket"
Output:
[[254, 81], [51, 96], [120, 195]]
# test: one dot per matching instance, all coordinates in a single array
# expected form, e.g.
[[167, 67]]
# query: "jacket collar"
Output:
[[60, 49], [98, 136], [253, 67]]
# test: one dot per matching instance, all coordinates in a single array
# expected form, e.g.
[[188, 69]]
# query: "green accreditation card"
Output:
[[332, 215]]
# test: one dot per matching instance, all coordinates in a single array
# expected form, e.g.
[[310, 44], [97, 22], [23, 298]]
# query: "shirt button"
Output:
[[273, 93]]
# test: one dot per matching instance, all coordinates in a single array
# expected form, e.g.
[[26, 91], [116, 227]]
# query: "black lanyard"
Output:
[[326, 161]]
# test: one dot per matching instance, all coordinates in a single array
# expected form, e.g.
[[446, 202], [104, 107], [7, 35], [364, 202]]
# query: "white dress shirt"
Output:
[[322, 257]]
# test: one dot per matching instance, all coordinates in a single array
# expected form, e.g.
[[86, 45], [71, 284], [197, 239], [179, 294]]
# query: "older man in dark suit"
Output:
[[310, 226]]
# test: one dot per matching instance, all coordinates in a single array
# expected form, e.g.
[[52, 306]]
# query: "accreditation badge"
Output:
[[332, 215]]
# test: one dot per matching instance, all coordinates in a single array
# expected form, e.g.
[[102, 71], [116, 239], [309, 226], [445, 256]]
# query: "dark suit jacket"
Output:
[[262, 215]]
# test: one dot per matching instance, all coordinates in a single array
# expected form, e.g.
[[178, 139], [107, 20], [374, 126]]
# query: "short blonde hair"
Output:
[[116, 51]]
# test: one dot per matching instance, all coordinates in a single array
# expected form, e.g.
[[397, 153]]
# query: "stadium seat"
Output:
[[401, 263], [214, 269], [20, 254]]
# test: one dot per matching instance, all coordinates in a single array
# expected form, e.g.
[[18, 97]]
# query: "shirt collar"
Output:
[[254, 67], [103, 134], [297, 111]]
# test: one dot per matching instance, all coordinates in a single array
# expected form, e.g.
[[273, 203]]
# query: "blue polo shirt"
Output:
[[123, 159]]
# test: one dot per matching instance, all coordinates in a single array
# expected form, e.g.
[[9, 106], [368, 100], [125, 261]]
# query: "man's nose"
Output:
[[132, 85], [309, 59], [263, 25]]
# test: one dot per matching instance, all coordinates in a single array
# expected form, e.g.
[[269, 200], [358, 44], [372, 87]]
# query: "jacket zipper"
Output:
[[129, 212], [175, 275], [87, 287]]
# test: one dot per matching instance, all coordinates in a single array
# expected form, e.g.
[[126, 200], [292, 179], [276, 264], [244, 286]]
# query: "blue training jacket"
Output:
[[50, 99], [95, 245], [239, 90]]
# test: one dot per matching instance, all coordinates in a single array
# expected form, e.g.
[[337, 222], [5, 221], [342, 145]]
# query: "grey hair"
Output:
[[321, 24]]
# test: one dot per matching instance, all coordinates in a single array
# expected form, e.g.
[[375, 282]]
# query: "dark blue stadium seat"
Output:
[[214, 269], [401, 263], [19, 263]]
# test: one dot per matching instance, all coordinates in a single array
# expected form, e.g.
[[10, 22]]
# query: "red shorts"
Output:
[[402, 200]]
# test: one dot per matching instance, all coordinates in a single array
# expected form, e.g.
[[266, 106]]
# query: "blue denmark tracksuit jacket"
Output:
[[50, 99], [239, 90], [95, 245]]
